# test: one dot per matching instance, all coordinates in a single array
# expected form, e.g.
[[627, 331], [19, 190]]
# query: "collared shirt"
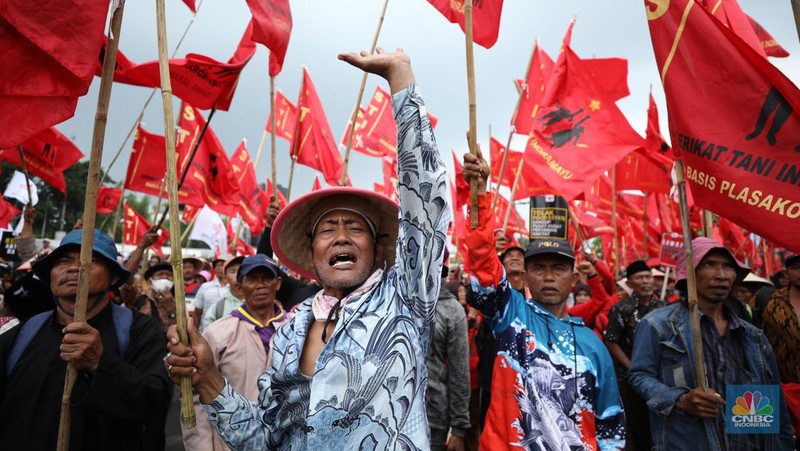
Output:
[[726, 364], [368, 386], [208, 294], [625, 316], [227, 304]]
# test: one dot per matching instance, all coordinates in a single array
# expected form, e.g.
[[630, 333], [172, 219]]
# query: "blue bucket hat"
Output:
[[103, 246]]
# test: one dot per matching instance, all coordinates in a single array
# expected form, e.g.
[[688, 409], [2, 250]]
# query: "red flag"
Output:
[[538, 75], [655, 142], [242, 248], [7, 212], [197, 79], [47, 155], [252, 200], [459, 227], [389, 165], [107, 199], [317, 186], [191, 5], [638, 171], [189, 213], [461, 192], [741, 155], [358, 136], [770, 45], [591, 226], [730, 13], [516, 223], [496, 152], [610, 75], [285, 117], [136, 226], [48, 55], [147, 166], [210, 172], [485, 18], [579, 131], [734, 239], [272, 26], [281, 198], [314, 145]]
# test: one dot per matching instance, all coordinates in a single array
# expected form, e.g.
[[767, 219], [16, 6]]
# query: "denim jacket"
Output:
[[662, 369]]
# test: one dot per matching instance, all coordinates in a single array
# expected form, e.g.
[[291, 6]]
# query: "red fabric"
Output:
[[516, 223], [536, 79], [270, 190], [314, 145], [591, 226], [484, 264], [530, 182], [47, 155], [107, 199], [7, 212], [733, 238], [135, 227], [389, 166], [285, 118], [496, 155], [210, 173], [485, 18], [48, 55], [459, 232], [189, 213], [730, 13], [771, 46], [272, 26], [579, 132], [190, 4], [252, 200], [600, 302], [610, 75], [654, 140], [242, 248], [639, 171], [462, 193], [791, 392], [197, 79], [317, 185], [734, 167]]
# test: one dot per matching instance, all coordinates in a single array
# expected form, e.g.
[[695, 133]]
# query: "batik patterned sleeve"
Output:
[[424, 211], [489, 283]]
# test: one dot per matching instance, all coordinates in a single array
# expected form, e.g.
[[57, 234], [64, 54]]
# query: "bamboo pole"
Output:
[[664, 284], [472, 138], [708, 224], [291, 178], [273, 141], [295, 147], [149, 99], [189, 228], [575, 223], [513, 121], [513, 193], [89, 213], [691, 279], [354, 115], [796, 12], [614, 219], [187, 405]]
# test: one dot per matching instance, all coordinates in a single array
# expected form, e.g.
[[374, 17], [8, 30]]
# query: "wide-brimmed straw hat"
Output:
[[291, 232]]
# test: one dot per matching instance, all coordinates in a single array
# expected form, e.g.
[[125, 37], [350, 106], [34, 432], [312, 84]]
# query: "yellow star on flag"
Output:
[[594, 105]]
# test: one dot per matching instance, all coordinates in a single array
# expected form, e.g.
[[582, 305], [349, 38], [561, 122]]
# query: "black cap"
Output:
[[161, 266], [549, 246], [637, 266], [791, 257]]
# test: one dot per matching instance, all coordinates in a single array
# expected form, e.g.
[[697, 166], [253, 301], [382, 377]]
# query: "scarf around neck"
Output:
[[265, 331], [323, 304]]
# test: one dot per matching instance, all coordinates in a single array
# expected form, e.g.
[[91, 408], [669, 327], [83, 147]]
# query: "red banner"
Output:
[[136, 226], [272, 26], [733, 120], [770, 45], [107, 199], [47, 155], [285, 118], [7, 212], [485, 18], [252, 200]]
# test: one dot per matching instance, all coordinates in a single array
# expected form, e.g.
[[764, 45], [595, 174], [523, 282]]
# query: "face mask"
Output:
[[161, 285]]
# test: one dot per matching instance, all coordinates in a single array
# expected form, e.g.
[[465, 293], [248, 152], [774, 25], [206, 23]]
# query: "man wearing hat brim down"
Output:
[[553, 385], [682, 415], [348, 372], [121, 384]]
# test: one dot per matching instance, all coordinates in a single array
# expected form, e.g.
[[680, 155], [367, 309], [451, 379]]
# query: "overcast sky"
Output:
[[324, 28]]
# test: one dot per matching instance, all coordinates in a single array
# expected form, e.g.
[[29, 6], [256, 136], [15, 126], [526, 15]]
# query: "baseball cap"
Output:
[[549, 246], [791, 257], [249, 264]]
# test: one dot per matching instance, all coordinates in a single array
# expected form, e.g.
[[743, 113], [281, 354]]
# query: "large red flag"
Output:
[[107, 199], [48, 55], [314, 145], [136, 226], [272, 26], [771, 46], [47, 155], [516, 223], [733, 119], [7, 212], [496, 152], [654, 140], [252, 200], [147, 166], [461, 192], [358, 135], [734, 239], [197, 79], [579, 131], [639, 171], [285, 117], [591, 225], [538, 75], [485, 18], [210, 172], [730, 13]]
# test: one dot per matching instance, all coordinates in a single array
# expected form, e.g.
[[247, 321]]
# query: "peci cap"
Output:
[[791, 258], [549, 246], [637, 267]]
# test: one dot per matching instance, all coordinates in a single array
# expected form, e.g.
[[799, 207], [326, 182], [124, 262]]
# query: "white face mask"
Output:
[[161, 285]]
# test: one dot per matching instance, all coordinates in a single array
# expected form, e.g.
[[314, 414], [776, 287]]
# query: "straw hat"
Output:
[[291, 232]]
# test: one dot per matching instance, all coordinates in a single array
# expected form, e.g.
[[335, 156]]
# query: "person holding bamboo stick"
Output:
[[348, 372], [121, 386], [663, 369]]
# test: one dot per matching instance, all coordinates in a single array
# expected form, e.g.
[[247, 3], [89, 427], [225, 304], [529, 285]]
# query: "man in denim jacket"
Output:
[[683, 416]]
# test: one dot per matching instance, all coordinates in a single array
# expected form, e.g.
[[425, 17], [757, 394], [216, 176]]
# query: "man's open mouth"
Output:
[[342, 259]]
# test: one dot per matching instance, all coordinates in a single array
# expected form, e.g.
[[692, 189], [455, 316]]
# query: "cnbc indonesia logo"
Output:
[[752, 410]]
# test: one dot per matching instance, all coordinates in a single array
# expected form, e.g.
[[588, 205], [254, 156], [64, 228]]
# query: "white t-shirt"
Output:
[[207, 295]]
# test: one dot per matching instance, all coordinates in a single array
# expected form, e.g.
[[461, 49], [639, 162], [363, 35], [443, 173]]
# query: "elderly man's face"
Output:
[[642, 284], [162, 274], [514, 261], [550, 278], [260, 287], [343, 251], [716, 275], [64, 276]]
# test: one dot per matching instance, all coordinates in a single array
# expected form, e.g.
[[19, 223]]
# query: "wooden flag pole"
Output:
[[664, 284], [513, 121], [149, 98], [354, 115], [576, 224], [708, 224], [513, 193], [187, 405], [273, 141], [644, 228], [796, 11], [89, 212], [691, 278], [614, 219], [472, 139], [25, 171], [489, 180]]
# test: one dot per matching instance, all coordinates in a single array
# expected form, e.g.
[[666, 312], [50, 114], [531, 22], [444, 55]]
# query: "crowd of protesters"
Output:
[[364, 333]]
